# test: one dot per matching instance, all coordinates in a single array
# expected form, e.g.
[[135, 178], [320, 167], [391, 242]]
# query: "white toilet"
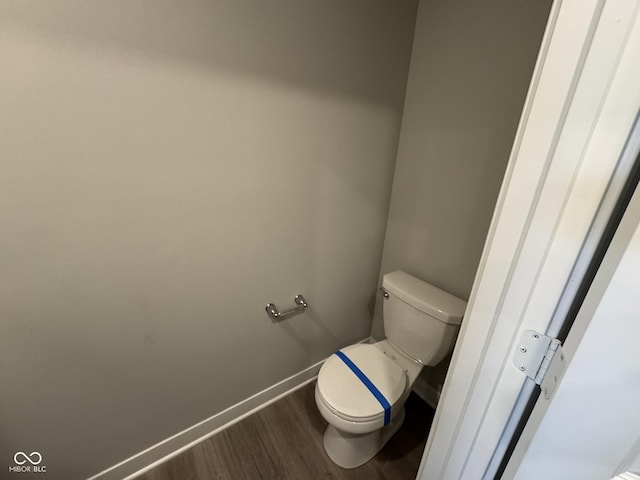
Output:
[[361, 389]]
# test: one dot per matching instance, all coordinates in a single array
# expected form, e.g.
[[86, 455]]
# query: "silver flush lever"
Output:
[[384, 293], [276, 314]]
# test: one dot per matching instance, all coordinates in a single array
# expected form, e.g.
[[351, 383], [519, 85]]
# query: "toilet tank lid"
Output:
[[425, 297]]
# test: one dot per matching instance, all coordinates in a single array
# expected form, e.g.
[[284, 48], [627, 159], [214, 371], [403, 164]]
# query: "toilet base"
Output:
[[348, 450]]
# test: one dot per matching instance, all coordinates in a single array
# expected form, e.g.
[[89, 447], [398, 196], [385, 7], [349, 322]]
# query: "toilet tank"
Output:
[[419, 318]]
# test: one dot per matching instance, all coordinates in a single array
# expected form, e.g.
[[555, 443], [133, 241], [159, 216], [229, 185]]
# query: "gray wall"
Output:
[[167, 169], [470, 70]]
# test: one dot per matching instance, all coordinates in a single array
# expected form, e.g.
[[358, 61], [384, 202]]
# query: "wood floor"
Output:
[[284, 441]]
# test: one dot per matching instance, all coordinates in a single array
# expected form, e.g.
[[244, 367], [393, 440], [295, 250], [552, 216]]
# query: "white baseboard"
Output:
[[426, 392], [172, 446]]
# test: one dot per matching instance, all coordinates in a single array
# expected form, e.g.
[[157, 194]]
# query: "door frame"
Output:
[[578, 114], [595, 398]]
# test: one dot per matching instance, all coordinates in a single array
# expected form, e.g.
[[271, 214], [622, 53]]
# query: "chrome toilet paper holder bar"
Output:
[[276, 314]]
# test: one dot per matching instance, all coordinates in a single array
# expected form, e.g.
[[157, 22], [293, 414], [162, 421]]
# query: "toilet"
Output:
[[362, 388]]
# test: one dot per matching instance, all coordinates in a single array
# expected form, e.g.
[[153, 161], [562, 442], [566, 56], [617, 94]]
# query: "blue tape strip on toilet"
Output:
[[369, 384]]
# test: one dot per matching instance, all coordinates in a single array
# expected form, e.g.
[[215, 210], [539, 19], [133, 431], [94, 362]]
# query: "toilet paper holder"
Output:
[[276, 314]]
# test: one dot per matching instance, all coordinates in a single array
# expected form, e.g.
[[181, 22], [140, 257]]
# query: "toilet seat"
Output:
[[344, 393]]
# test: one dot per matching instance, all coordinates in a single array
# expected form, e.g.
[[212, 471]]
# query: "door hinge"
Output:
[[540, 358]]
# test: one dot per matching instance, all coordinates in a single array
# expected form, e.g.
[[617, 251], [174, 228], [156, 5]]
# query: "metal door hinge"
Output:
[[540, 358]]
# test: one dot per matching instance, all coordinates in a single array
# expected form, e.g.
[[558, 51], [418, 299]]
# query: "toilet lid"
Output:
[[342, 390]]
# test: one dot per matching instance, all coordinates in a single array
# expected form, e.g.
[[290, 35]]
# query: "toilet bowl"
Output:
[[361, 389], [357, 428]]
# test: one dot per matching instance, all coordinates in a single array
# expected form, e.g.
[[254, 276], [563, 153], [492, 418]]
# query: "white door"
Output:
[[580, 111], [590, 428]]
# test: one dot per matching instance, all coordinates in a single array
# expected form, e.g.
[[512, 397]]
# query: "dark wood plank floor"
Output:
[[284, 441]]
